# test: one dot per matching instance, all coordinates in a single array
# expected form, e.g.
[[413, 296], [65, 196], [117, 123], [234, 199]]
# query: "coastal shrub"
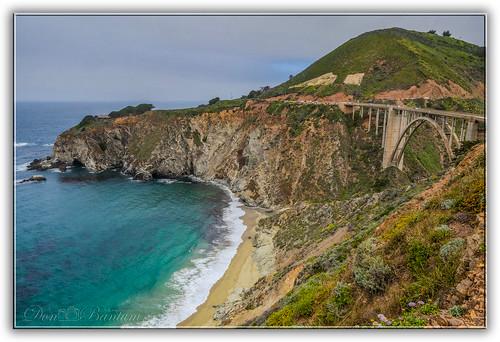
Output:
[[409, 319], [281, 318], [299, 304], [213, 101], [330, 261], [395, 234], [472, 198], [416, 314], [429, 309], [132, 110], [276, 108], [298, 114], [216, 107], [197, 139], [474, 105], [417, 256], [440, 233], [86, 121], [439, 277], [329, 228], [451, 249], [457, 311], [370, 271], [339, 302]]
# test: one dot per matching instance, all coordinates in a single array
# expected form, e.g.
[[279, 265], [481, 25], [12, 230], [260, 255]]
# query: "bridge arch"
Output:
[[404, 138]]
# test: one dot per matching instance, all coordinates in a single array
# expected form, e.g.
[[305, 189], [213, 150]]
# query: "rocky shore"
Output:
[[47, 163], [34, 178]]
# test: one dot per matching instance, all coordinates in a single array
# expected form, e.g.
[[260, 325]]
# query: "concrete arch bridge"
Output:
[[397, 124]]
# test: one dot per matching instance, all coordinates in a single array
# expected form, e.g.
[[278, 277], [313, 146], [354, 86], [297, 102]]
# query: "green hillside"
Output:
[[393, 59]]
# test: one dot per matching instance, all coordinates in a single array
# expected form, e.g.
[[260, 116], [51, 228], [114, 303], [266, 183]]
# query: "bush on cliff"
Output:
[[87, 119], [370, 271], [132, 110]]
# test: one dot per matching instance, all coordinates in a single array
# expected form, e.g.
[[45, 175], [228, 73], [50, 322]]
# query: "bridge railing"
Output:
[[451, 114]]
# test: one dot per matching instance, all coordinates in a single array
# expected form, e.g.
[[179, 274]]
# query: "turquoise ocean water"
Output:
[[102, 250]]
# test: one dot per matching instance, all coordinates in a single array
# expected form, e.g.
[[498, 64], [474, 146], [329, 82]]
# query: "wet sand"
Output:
[[241, 273]]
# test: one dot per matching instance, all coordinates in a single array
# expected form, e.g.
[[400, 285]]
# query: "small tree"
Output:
[[214, 101], [253, 94], [432, 31], [290, 77], [446, 33]]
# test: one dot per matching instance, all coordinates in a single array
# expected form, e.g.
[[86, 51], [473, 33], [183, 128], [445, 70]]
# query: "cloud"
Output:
[[168, 58]]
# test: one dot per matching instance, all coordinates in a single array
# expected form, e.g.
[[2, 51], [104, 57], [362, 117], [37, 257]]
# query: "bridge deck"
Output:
[[458, 115]]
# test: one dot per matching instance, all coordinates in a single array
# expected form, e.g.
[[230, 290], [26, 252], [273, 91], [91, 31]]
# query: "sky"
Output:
[[186, 58]]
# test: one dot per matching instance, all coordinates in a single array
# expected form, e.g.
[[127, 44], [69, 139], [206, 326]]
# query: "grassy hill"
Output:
[[393, 59]]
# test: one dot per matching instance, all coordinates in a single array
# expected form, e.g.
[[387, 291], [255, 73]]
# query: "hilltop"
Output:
[[392, 59]]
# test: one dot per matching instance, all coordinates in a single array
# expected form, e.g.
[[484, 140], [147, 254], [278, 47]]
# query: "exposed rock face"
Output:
[[252, 151], [430, 89], [324, 79], [354, 79]]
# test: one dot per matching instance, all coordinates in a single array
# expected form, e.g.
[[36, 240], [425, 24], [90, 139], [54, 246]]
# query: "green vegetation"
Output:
[[217, 106], [89, 121], [213, 101], [441, 233], [418, 256], [425, 154], [393, 59], [474, 105], [86, 121], [339, 303], [451, 249], [402, 271], [457, 311], [132, 110], [257, 93], [416, 316], [297, 113], [142, 148], [299, 304], [370, 271]]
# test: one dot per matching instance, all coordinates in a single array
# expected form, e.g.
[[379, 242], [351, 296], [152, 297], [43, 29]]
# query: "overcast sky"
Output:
[[186, 58]]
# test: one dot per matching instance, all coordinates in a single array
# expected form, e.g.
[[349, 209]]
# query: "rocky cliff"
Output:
[[268, 156]]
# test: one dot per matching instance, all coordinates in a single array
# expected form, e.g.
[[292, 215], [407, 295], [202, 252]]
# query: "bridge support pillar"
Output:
[[471, 133], [395, 122]]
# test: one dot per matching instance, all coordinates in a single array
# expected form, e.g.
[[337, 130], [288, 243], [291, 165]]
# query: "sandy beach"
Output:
[[241, 273]]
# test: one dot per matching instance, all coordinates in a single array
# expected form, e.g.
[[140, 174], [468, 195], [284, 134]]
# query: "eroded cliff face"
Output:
[[264, 158]]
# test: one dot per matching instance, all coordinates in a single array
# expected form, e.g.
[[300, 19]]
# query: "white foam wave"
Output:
[[23, 144], [48, 145], [166, 181], [193, 282], [22, 167]]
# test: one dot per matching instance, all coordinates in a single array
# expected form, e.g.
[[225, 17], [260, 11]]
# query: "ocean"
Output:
[[103, 250]]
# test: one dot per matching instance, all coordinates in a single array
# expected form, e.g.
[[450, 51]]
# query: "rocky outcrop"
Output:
[[255, 153], [34, 178], [46, 164]]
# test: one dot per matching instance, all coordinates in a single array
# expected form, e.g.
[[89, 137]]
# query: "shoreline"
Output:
[[242, 272]]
